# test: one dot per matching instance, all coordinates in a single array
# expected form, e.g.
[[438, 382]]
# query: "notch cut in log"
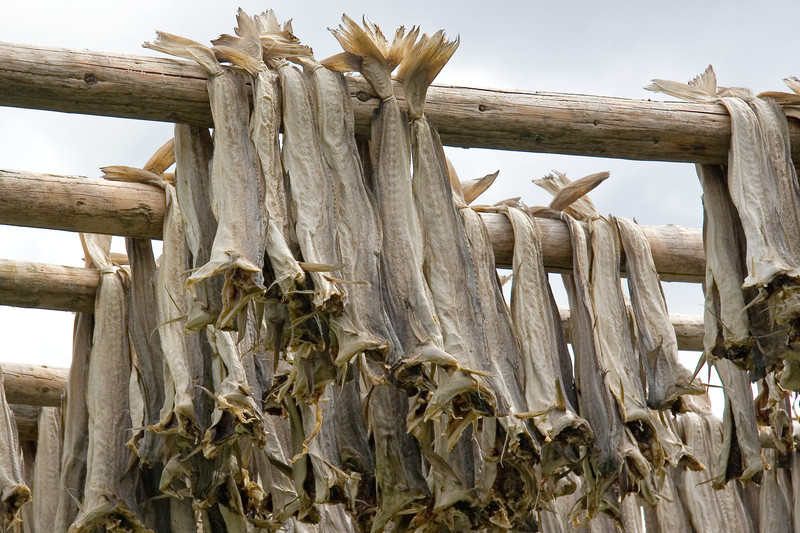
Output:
[[169, 90], [87, 205]]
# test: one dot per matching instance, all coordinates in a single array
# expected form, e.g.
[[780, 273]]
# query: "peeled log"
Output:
[[154, 88], [27, 419], [34, 384], [137, 210]]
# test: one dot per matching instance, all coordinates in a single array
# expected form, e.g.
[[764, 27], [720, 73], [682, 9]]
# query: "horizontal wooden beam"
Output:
[[47, 386], [34, 384], [164, 89], [137, 210], [43, 286]]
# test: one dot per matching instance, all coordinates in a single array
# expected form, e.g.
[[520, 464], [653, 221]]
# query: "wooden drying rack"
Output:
[[168, 90]]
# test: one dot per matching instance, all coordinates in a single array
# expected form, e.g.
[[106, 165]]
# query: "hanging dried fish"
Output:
[[109, 493], [47, 468], [193, 152], [237, 184], [406, 294], [246, 51], [533, 318], [363, 326], [667, 378], [76, 424], [740, 454], [14, 493]]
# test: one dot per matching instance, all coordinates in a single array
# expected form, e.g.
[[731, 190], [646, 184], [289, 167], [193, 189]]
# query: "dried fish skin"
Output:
[[76, 426], [775, 498], [405, 292], [47, 468], [193, 153], [14, 493], [595, 402], [311, 203], [402, 489], [240, 240], [109, 494], [147, 357], [667, 379], [534, 323], [726, 325], [740, 454], [363, 326]]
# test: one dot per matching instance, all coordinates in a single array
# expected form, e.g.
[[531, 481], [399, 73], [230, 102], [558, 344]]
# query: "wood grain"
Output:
[[168, 90], [34, 384]]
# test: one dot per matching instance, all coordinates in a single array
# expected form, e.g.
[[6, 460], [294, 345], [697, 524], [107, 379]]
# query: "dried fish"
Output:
[[76, 425], [246, 51], [312, 204], [406, 294], [740, 455], [363, 326], [193, 152], [109, 494], [237, 184], [47, 468], [667, 378], [14, 493], [775, 498], [533, 318], [146, 355]]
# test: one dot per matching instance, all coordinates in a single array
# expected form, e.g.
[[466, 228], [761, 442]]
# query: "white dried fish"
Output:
[[667, 378], [47, 468], [237, 184], [14, 493], [109, 493]]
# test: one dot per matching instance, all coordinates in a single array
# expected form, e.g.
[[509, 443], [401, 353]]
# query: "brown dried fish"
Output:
[[667, 378], [14, 493], [237, 184]]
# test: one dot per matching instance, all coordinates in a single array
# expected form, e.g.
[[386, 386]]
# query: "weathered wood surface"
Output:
[[27, 419], [43, 286], [34, 384], [137, 210], [162, 89]]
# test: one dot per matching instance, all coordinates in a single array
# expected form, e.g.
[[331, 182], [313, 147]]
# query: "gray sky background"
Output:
[[583, 47]]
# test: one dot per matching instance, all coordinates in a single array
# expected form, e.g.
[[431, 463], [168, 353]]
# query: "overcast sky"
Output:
[[584, 47]]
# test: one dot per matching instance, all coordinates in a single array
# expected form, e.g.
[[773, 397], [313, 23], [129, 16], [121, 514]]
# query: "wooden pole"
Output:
[[43, 286], [137, 210], [164, 89], [34, 384], [27, 419]]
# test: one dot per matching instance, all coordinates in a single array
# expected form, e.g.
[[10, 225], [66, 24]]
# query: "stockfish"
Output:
[[533, 317], [237, 184], [47, 468], [406, 294], [109, 493], [14, 493], [363, 326], [667, 378]]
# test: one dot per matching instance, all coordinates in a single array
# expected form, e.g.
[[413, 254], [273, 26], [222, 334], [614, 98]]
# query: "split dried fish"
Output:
[[364, 325], [667, 378], [536, 328], [76, 425], [14, 493], [109, 493], [193, 152], [237, 184], [406, 294]]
